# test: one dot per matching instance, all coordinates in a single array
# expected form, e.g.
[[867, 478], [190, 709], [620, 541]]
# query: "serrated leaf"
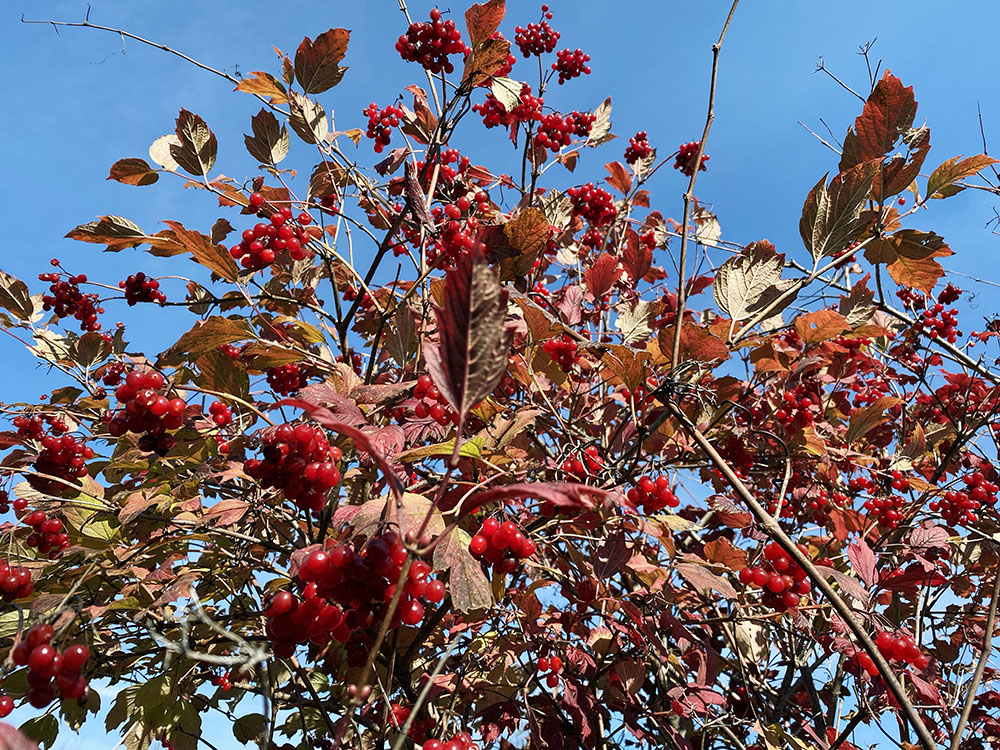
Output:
[[859, 306], [507, 91], [249, 728], [317, 61], [469, 587], [485, 61], [602, 275], [747, 283], [264, 84], [941, 183], [867, 418], [208, 335], [269, 142], [618, 177], [133, 172], [116, 232], [471, 353], [831, 216], [636, 321], [482, 19], [600, 131], [218, 372], [204, 251], [382, 510], [888, 114], [820, 325], [15, 297], [43, 729], [307, 119], [198, 147]]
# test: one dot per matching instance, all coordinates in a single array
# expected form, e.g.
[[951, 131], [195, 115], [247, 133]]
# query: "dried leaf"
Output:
[[317, 65], [859, 306], [207, 253], [264, 84], [820, 325], [483, 19], [722, 551], [600, 131], [619, 177], [15, 297], [133, 172], [485, 61], [941, 183], [636, 321], [831, 216], [307, 118], [747, 283], [197, 149], [269, 142], [886, 116]]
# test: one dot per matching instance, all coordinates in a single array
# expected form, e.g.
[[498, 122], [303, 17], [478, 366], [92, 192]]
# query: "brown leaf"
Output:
[[307, 118], [560, 494], [116, 232], [603, 275], [619, 178], [197, 149], [218, 372], [416, 198], [269, 142], [383, 511], [208, 335], [212, 256], [264, 84], [831, 216], [470, 356], [749, 282], [886, 116], [820, 325], [722, 551], [317, 63], [941, 183], [484, 62], [482, 19], [859, 306], [705, 580], [226, 512], [867, 418], [133, 172], [469, 587], [527, 233], [15, 297]]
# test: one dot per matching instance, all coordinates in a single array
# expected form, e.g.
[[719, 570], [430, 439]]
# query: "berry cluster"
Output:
[[652, 495], [553, 665], [419, 729], [113, 373], [797, 410], [15, 582], [62, 457], [460, 741], [432, 403], [261, 245], [562, 350], [593, 204], [286, 379], [962, 506], [381, 123], [902, 648], [686, 154], [571, 63], [65, 299], [537, 38], [299, 461], [140, 288], [221, 414], [147, 411], [430, 42], [223, 682], [888, 509], [502, 545], [939, 323], [590, 465], [47, 535], [783, 582], [556, 131], [638, 147], [342, 592], [44, 663]]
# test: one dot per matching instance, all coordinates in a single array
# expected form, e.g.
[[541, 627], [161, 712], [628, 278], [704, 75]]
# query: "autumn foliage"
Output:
[[450, 458]]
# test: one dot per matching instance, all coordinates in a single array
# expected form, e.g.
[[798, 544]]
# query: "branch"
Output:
[[984, 657]]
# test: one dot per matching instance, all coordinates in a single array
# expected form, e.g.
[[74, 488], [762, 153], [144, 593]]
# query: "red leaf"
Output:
[[601, 276], [611, 554], [705, 580], [722, 551], [470, 356], [637, 257], [620, 179], [560, 494], [133, 172], [482, 19], [864, 561], [912, 579], [887, 115], [317, 65]]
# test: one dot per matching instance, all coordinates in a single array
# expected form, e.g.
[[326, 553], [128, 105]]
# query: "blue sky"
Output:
[[78, 101]]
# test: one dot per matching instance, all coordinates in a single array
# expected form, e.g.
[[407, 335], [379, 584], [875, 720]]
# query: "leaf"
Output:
[[619, 177], [382, 510], [910, 257], [469, 587], [637, 256], [133, 172], [218, 372], [627, 364], [722, 551], [269, 142], [611, 554], [207, 253], [307, 118], [485, 61], [636, 321], [507, 91], [820, 325], [867, 418], [863, 561], [116, 232], [941, 183], [568, 495], [600, 131], [226, 512], [859, 306], [317, 63], [886, 116], [483, 19], [705, 580], [15, 297], [159, 151], [831, 216], [747, 283], [603, 275], [208, 335], [197, 149], [470, 356], [527, 233], [249, 728], [264, 84]]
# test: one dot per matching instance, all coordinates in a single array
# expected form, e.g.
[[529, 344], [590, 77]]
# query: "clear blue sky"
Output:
[[79, 101]]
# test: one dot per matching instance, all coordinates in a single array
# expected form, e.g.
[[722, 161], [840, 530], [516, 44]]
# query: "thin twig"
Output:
[[984, 657]]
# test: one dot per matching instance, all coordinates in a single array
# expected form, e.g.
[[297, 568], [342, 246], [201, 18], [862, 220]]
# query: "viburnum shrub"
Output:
[[452, 455]]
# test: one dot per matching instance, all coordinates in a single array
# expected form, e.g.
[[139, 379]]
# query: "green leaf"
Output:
[[42, 729], [249, 728], [471, 448]]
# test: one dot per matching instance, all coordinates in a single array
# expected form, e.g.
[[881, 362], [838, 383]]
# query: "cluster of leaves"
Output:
[[814, 575]]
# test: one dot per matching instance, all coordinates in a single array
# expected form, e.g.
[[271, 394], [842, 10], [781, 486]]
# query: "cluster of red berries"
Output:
[[939, 323], [65, 299], [553, 665], [494, 113], [638, 147], [31, 428], [858, 662], [593, 204], [141, 288], [642, 396], [146, 411], [419, 729], [562, 350], [502, 545], [588, 466], [686, 154], [261, 245], [342, 591], [459, 741], [299, 461], [652, 495], [432, 403], [571, 63], [783, 582], [888, 509], [537, 38], [285, 379], [223, 682], [15, 582], [797, 408], [113, 373], [430, 42], [221, 414], [44, 663], [556, 131], [47, 535], [901, 648], [456, 239], [62, 457], [962, 506], [381, 123]]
